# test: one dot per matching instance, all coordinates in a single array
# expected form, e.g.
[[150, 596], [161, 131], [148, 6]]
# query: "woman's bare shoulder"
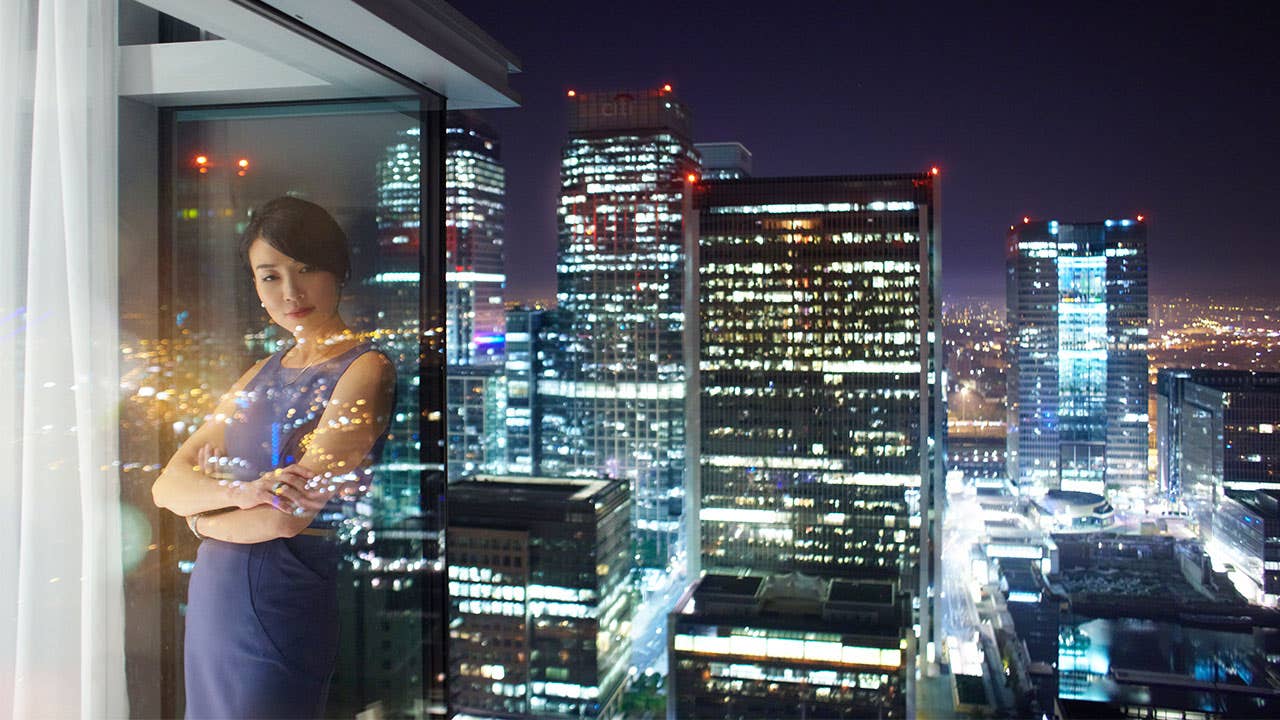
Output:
[[372, 365]]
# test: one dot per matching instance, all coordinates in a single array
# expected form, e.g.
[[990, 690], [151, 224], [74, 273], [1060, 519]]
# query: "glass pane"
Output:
[[375, 553]]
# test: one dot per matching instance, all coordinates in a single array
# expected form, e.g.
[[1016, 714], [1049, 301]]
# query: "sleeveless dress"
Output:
[[262, 618]]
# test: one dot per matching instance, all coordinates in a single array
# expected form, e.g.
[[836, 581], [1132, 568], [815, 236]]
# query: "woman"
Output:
[[299, 428]]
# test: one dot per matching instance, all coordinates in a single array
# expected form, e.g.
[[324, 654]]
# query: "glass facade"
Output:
[[540, 597], [475, 197], [1190, 444], [524, 414], [1077, 315], [191, 323], [477, 424], [820, 376], [613, 388]]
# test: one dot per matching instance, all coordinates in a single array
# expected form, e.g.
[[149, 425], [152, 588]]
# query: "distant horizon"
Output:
[[999, 298]]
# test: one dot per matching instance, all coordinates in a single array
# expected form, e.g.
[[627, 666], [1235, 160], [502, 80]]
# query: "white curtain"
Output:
[[61, 605]]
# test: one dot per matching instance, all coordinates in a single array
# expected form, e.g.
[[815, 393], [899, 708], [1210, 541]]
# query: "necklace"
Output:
[[301, 371]]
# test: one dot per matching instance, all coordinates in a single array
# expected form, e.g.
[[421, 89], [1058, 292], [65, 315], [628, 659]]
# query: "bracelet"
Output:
[[193, 523]]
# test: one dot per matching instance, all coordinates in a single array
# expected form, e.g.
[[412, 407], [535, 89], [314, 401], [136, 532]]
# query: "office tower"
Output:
[[724, 160], [1077, 350], [821, 384], [524, 416], [477, 421], [1217, 430], [475, 198], [614, 390], [788, 646], [1246, 541], [386, 289], [540, 597]]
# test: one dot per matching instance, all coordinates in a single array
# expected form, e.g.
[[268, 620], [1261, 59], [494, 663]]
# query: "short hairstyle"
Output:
[[302, 230]]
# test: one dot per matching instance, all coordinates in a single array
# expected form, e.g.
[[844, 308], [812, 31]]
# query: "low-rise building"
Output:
[[788, 646]]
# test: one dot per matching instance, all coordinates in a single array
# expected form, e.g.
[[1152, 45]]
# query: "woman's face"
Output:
[[300, 298]]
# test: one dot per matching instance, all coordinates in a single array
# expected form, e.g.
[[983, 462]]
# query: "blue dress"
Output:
[[262, 619]]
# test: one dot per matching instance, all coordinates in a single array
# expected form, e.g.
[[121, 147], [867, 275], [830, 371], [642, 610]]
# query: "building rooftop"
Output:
[[794, 598], [570, 488], [1265, 502], [1224, 380], [875, 593]]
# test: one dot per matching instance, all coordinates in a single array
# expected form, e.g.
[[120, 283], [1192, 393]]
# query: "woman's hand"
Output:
[[298, 491], [211, 461], [268, 489]]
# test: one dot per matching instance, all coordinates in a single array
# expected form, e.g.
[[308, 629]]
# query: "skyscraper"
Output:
[[524, 415], [1077, 349], [1218, 430], [540, 597], [614, 390], [821, 382], [387, 288], [475, 197]]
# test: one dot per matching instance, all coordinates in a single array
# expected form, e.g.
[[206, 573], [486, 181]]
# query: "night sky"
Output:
[[1062, 110]]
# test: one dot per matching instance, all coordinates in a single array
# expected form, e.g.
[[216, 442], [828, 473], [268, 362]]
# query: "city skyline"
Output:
[[1050, 112], [694, 398]]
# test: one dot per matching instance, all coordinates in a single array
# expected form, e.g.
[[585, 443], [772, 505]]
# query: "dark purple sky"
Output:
[[1066, 110]]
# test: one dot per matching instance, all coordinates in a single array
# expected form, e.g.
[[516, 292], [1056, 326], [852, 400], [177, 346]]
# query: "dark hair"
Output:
[[302, 230]]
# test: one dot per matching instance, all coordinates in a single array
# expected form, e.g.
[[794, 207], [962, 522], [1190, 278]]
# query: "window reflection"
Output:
[[362, 162]]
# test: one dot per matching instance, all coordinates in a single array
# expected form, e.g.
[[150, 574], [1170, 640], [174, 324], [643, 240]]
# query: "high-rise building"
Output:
[[524, 416], [1245, 540], [387, 291], [477, 421], [614, 390], [475, 201], [788, 646], [821, 385], [1077, 351], [724, 160], [540, 597], [1217, 430]]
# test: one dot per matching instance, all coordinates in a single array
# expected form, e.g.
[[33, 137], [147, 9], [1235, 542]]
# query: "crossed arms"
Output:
[[250, 512]]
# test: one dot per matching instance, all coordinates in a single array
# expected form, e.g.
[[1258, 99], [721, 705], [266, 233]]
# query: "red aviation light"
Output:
[[934, 170], [666, 88], [1141, 218], [1025, 219], [572, 93]]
